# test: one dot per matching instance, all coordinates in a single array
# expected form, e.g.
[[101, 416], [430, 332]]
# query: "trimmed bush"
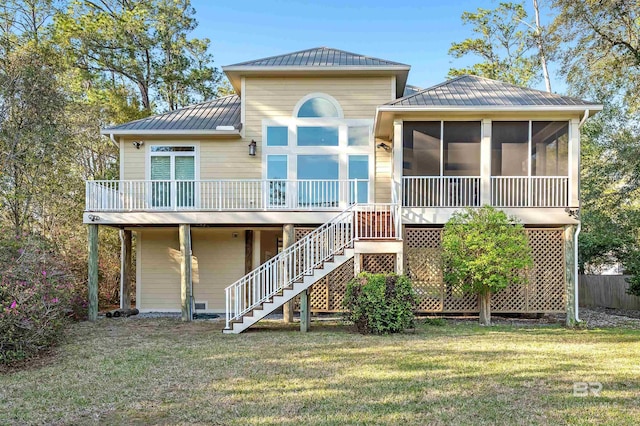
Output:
[[37, 298], [379, 303]]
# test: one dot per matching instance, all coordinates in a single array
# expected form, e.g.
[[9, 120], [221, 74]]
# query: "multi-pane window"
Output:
[[172, 163], [326, 153]]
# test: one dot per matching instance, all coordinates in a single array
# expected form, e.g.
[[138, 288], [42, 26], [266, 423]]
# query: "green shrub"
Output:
[[379, 303], [37, 298]]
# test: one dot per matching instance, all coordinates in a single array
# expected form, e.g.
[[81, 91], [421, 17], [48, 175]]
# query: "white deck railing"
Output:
[[506, 191], [441, 191], [535, 191], [223, 195], [371, 221]]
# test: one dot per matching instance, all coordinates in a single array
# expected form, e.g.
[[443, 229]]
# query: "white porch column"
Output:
[[397, 159], [485, 163], [574, 162]]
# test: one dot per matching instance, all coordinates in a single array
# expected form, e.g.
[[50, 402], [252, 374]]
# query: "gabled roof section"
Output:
[[474, 91], [319, 57], [203, 118]]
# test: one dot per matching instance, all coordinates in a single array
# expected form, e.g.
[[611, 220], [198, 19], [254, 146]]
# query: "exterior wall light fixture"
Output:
[[252, 148]]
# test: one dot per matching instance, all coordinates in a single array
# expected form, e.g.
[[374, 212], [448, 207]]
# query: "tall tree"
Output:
[[33, 132], [504, 44], [602, 57], [143, 44]]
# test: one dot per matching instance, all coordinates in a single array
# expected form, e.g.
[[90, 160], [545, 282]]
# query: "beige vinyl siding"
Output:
[[270, 98], [133, 161], [218, 261], [383, 174], [160, 269], [265, 98], [228, 159]]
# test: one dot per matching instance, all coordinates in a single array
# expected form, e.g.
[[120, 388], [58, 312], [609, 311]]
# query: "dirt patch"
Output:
[[605, 317]]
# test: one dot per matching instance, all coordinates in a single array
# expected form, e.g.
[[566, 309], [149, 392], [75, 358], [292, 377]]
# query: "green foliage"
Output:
[[37, 297], [503, 43], [485, 251], [379, 303], [602, 48], [142, 46], [610, 190]]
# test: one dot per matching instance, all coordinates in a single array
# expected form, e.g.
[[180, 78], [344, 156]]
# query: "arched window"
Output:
[[317, 105]]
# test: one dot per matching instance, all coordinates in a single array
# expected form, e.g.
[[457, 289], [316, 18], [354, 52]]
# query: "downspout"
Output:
[[579, 228], [114, 140]]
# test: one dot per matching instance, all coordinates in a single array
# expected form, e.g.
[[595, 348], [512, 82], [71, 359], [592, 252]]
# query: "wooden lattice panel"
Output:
[[547, 287], [327, 294], [425, 271], [378, 263], [337, 283], [423, 237], [511, 299], [545, 291]]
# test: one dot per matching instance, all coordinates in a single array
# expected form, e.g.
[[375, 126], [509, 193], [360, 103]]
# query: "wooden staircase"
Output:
[[288, 293], [313, 257]]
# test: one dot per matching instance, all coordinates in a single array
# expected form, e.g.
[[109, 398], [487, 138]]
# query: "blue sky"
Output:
[[418, 33]]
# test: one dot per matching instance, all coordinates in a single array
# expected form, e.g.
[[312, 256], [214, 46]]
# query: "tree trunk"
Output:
[[484, 301], [541, 47]]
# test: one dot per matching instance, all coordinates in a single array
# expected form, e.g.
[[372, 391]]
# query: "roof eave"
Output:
[[177, 132], [490, 108], [390, 109], [302, 68]]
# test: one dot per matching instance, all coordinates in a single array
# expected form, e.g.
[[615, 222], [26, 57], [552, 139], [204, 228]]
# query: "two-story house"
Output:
[[326, 163]]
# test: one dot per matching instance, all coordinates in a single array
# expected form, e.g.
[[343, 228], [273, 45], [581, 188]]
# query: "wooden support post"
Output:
[[248, 251], [125, 269], [93, 271], [305, 312], [288, 238], [185, 272], [571, 279]]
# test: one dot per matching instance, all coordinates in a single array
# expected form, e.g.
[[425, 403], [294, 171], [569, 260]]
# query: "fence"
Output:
[[606, 291]]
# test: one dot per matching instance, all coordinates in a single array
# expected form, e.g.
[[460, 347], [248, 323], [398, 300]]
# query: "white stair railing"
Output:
[[368, 221]]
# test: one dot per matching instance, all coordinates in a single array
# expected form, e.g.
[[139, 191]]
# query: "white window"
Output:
[[325, 153], [172, 170]]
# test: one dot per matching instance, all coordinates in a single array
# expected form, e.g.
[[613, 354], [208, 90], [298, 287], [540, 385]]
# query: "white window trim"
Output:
[[195, 153], [343, 150], [320, 95]]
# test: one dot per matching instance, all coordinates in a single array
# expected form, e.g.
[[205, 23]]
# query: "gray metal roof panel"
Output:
[[319, 57], [470, 90], [205, 116]]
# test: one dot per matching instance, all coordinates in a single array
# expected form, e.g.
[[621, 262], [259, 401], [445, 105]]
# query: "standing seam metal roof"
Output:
[[471, 90], [318, 57], [224, 111]]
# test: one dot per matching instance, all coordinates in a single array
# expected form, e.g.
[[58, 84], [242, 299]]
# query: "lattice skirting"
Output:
[[378, 263], [545, 291], [327, 294]]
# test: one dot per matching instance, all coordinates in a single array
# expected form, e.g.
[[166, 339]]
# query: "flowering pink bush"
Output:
[[37, 298]]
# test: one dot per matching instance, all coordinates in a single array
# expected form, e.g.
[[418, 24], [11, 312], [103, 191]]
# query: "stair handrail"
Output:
[[289, 265]]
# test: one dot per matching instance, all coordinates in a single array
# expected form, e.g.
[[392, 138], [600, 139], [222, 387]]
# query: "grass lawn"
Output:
[[161, 371]]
